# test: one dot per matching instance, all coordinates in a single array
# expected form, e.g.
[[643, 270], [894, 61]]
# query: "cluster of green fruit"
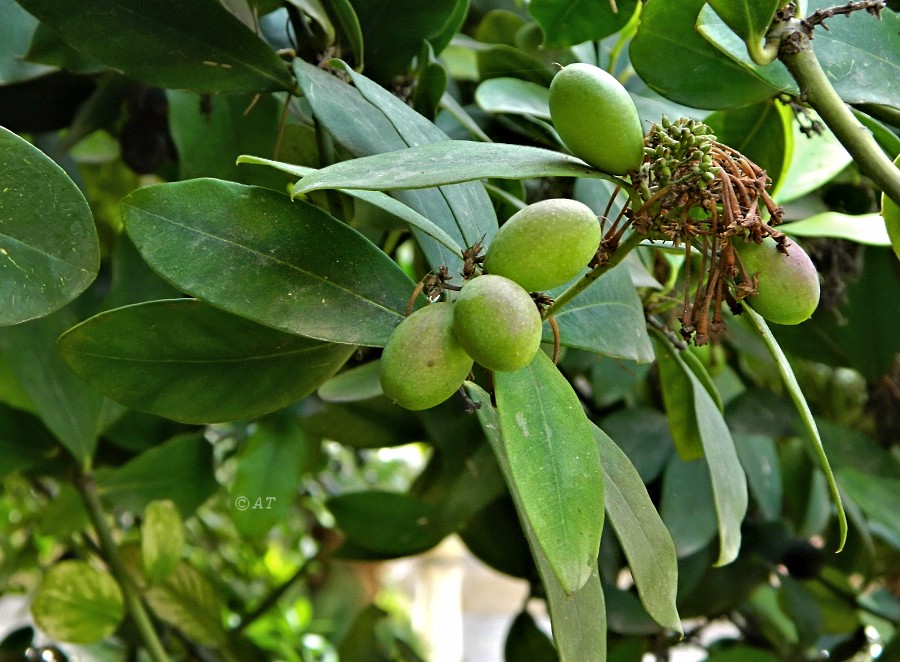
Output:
[[494, 320]]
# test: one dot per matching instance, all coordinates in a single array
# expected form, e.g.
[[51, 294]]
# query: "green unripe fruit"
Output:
[[545, 244], [422, 364], [497, 323], [788, 285], [596, 118]]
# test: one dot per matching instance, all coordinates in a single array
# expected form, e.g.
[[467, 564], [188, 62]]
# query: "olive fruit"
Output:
[[787, 284], [497, 323], [596, 118], [545, 244], [422, 364]]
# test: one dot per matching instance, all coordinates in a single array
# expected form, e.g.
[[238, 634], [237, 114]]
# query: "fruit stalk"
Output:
[[798, 56], [631, 241], [140, 617]]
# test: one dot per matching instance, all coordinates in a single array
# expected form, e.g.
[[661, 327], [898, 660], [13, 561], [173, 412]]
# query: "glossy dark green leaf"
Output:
[[494, 535], [47, 47], [373, 423], [526, 642], [578, 619], [876, 496], [162, 540], [554, 465], [190, 45], [729, 483], [358, 383], [816, 160], [187, 361], [641, 533], [762, 132], [77, 603], [607, 318], [386, 522], [181, 470], [131, 278], [446, 162], [24, 441], [254, 253], [270, 465], [49, 251], [390, 45], [16, 29], [367, 119], [643, 434], [69, 408], [686, 507], [749, 19], [759, 457], [211, 132], [570, 22], [188, 601], [693, 72]]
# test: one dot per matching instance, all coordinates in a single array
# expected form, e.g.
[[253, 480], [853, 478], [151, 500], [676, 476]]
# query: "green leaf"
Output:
[[187, 45], [184, 360], [554, 466], [187, 601], [162, 540], [762, 132], [890, 211], [570, 22], [49, 251], [578, 619], [367, 119], [686, 507], [513, 96], [61, 399], [607, 318], [387, 523], [678, 398], [817, 159], [24, 442], [270, 465], [77, 603], [642, 534], [16, 29], [693, 71], [208, 138], [358, 383], [750, 20], [47, 47], [863, 228], [759, 457], [643, 435], [809, 423], [254, 253], [526, 642], [392, 41], [180, 470], [446, 162], [877, 497], [376, 198], [729, 483]]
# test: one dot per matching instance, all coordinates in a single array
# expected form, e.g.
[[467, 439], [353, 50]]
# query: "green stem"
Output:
[[591, 276], [801, 61], [272, 598], [87, 488]]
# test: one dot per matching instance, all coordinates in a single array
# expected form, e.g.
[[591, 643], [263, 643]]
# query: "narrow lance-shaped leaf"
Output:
[[193, 363], [195, 45], [554, 466], [376, 198], [642, 534], [729, 483], [809, 423], [49, 251], [578, 619], [447, 162], [254, 253]]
